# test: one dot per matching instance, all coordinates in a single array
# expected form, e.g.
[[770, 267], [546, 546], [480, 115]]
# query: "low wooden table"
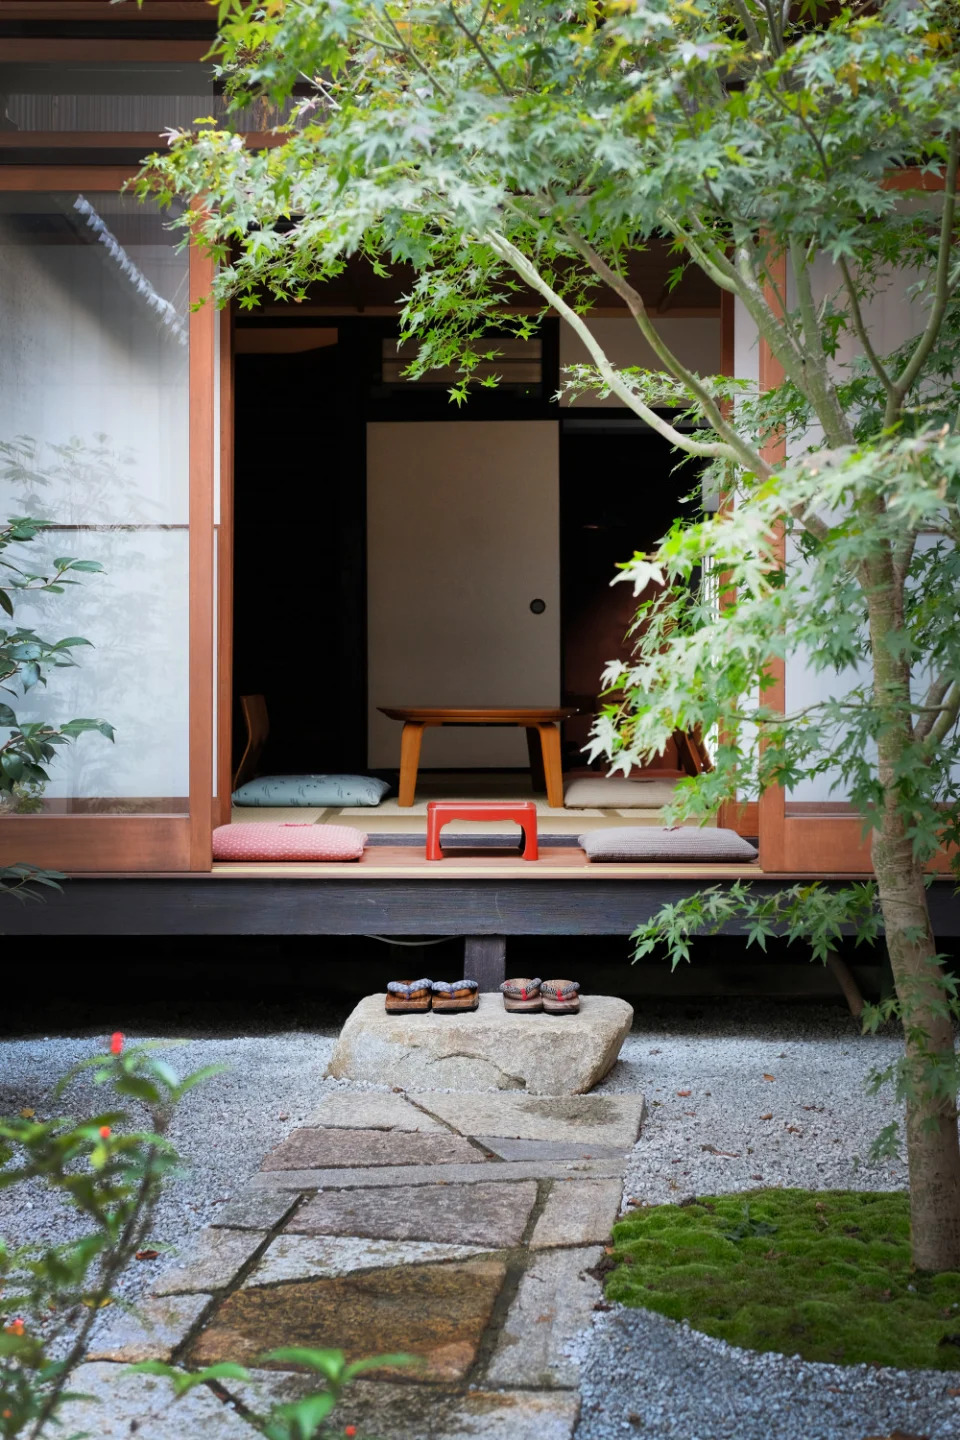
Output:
[[543, 741]]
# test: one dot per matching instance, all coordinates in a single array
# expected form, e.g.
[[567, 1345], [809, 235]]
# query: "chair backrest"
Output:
[[257, 721]]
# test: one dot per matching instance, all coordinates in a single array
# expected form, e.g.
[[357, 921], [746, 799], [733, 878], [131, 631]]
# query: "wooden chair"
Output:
[[257, 721]]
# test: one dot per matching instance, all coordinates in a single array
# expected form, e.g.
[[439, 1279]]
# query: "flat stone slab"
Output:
[[123, 1404], [486, 1049], [578, 1212], [514, 1415], [151, 1332], [383, 1408], [541, 1150], [494, 1216], [210, 1263], [371, 1110], [554, 1302], [436, 1312], [398, 1411], [255, 1210], [306, 1257], [609, 1120], [358, 1179], [319, 1149]]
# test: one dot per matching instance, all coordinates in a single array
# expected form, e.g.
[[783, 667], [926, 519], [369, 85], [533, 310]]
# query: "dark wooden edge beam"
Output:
[[199, 906]]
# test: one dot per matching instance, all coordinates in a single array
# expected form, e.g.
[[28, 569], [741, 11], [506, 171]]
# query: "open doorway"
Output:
[[380, 532]]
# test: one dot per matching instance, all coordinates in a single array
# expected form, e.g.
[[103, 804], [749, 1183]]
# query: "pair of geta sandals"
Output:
[[554, 997], [414, 997]]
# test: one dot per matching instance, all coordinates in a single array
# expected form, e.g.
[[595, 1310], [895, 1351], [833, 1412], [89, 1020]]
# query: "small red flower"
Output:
[[104, 1132], [349, 1430], [116, 1042], [15, 1327]]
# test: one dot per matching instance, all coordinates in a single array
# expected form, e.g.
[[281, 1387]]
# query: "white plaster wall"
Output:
[[695, 341], [892, 318], [96, 381]]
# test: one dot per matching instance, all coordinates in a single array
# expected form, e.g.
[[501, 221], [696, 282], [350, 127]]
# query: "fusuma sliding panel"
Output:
[[462, 535]]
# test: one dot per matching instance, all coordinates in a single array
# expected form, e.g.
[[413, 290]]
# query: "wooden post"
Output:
[[485, 960]]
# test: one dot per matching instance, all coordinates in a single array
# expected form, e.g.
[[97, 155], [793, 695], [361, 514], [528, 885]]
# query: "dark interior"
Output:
[[300, 582]]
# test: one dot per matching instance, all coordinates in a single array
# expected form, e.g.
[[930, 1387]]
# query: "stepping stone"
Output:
[[486, 1049], [437, 1312], [255, 1210], [555, 1301], [122, 1404], [388, 1410], [514, 1415], [304, 1257], [151, 1332], [494, 1216], [578, 1212], [355, 1178], [211, 1262], [597, 1120], [319, 1149], [358, 1110], [550, 1150]]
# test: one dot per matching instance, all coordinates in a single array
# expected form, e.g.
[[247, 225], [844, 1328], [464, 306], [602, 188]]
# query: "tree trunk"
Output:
[[933, 1149]]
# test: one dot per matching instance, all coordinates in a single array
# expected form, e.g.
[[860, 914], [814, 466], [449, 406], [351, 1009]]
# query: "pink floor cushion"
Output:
[[261, 840]]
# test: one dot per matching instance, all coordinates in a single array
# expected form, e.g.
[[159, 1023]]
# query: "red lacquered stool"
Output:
[[524, 812]]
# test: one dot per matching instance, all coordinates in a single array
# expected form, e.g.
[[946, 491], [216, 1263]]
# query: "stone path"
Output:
[[461, 1229]]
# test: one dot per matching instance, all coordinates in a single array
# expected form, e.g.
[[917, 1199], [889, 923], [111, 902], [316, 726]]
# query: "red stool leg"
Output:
[[531, 849], [433, 835]]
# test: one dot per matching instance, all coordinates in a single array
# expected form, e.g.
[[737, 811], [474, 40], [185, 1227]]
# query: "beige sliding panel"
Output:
[[462, 537]]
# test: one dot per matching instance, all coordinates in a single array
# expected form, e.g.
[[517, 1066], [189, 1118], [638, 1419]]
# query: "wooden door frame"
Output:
[[106, 843]]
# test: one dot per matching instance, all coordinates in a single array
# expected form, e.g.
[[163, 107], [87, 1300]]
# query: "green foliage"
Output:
[[112, 1174], [302, 1419], [821, 1274], [27, 747]]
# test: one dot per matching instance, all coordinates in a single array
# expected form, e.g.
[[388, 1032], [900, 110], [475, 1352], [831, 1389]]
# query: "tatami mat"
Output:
[[388, 818]]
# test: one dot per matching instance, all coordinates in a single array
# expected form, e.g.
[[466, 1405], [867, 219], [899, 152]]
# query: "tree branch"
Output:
[[860, 329], [944, 697], [942, 289], [472, 37], [515, 258], [749, 457]]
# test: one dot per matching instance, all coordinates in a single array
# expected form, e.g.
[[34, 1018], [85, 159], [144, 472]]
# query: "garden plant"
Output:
[[26, 659], [515, 155], [111, 1171]]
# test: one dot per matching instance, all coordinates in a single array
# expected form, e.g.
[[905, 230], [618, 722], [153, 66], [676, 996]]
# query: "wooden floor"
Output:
[[407, 862]]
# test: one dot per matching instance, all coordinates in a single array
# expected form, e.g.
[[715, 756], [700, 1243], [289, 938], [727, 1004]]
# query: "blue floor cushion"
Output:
[[341, 790]]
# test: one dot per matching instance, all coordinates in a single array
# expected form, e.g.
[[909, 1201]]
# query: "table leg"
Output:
[[552, 767], [410, 742], [537, 776]]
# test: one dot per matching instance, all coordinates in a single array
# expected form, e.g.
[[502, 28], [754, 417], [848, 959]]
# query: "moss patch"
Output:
[[825, 1275]]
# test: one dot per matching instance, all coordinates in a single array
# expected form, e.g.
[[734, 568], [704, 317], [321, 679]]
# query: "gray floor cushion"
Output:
[[683, 843], [613, 792]]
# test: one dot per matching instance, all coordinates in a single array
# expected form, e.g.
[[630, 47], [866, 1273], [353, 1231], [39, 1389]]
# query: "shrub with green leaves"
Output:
[[112, 1171]]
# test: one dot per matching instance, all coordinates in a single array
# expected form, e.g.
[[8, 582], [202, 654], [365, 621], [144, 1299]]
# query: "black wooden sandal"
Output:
[[522, 996], [408, 997]]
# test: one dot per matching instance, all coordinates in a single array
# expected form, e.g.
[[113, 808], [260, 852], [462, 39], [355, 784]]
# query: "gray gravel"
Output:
[[222, 1130], [642, 1375]]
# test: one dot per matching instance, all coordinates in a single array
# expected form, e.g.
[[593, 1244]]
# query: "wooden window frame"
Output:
[[130, 843]]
